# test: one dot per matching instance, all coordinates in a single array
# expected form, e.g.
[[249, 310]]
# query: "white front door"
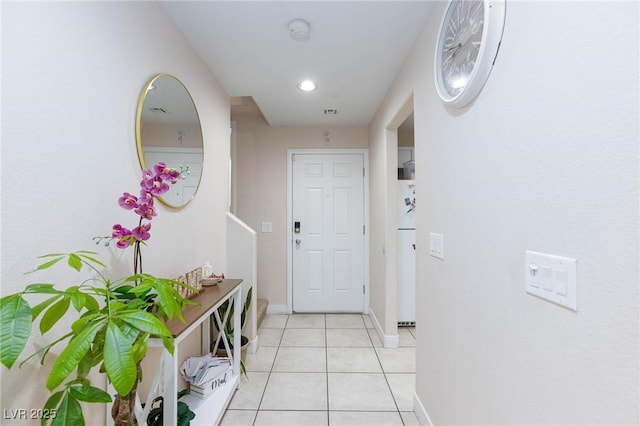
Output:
[[328, 232]]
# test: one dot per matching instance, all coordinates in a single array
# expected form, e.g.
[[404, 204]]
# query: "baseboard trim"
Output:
[[421, 412], [277, 309], [389, 341]]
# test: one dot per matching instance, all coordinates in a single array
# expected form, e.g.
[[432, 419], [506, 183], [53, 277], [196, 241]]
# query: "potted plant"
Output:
[[229, 328], [114, 318]]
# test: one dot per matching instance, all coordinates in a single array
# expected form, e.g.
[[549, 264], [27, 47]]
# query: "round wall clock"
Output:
[[468, 43]]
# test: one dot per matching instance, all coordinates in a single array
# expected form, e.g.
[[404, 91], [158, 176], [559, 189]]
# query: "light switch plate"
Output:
[[266, 227], [436, 245], [552, 278]]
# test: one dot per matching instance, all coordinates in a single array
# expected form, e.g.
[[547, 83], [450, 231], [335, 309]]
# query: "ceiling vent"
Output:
[[330, 111]]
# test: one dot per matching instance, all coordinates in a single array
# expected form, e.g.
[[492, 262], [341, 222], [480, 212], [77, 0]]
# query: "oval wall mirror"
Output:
[[168, 130]]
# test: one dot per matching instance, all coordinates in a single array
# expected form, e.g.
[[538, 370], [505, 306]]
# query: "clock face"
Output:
[[459, 45]]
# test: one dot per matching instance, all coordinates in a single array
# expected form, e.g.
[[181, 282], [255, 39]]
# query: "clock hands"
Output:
[[457, 46]]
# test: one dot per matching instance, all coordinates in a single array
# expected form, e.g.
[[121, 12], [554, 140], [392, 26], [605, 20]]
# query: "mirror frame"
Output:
[[139, 146]]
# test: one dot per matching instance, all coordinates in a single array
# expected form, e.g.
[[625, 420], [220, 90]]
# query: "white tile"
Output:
[[353, 360], [348, 337], [295, 391], [362, 392], [250, 391], [364, 418], [344, 321], [262, 360], [270, 336], [402, 387], [406, 338], [398, 360], [291, 418], [409, 418], [303, 337], [238, 418], [274, 321], [306, 321], [306, 360]]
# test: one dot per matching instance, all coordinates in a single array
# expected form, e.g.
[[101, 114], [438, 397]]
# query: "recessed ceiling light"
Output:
[[307, 86]]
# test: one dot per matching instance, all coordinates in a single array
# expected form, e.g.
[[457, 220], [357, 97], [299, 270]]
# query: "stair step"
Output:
[[262, 310]]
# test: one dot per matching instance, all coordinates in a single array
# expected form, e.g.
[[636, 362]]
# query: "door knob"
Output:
[[298, 241]]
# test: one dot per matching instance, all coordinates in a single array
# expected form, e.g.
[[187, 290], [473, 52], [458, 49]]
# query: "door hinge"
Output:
[[364, 229], [363, 292], [363, 175]]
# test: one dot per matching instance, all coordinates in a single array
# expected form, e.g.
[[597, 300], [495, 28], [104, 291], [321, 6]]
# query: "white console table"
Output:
[[208, 411]]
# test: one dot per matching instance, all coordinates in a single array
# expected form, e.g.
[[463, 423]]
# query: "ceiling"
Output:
[[354, 52]]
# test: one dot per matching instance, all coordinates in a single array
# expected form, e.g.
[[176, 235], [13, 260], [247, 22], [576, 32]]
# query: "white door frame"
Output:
[[335, 151]]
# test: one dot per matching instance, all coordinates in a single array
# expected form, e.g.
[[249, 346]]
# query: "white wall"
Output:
[[71, 77], [546, 159], [261, 179]]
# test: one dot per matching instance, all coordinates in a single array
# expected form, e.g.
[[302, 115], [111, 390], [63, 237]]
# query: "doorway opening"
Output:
[[406, 225]]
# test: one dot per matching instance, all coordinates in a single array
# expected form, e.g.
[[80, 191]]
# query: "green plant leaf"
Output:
[[91, 303], [85, 255], [44, 256], [47, 264], [53, 315], [144, 321], [37, 310], [50, 405], [78, 300], [85, 364], [118, 360], [41, 288], [15, 327], [169, 299], [245, 308], [100, 291], [71, 356], [140, 348], [45, 350], [81, 323], [130, 332], [75, 262], [69, 412], [168, 343], [89, 394]]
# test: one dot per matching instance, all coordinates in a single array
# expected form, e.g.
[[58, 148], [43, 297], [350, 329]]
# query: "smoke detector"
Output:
[[299, 30]]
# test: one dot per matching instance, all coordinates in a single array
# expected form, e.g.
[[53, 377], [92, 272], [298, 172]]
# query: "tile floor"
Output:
[[325, 369]]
